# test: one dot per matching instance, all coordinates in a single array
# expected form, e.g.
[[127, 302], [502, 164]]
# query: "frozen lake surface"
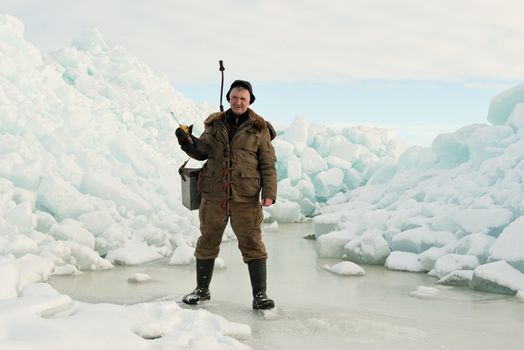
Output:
[[320, 310]]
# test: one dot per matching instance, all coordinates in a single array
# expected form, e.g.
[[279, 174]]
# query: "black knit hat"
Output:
[[246, 85]]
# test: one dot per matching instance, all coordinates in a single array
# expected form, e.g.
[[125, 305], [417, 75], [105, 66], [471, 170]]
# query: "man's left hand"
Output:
[[266, 202]]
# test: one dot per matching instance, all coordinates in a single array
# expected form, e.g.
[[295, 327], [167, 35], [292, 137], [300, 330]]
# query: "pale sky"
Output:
[[404, 64]]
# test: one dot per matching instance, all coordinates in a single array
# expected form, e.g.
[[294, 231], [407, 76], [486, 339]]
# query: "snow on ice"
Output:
[[89, 179]]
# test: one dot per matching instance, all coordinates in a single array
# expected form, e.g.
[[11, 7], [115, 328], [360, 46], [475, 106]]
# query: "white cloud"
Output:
[[297, 40]]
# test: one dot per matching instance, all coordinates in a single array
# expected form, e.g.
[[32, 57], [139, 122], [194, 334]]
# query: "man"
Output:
[[240, 166]]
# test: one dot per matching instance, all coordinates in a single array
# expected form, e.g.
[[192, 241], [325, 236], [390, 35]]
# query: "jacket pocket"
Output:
[[245, 150], [249, 182]]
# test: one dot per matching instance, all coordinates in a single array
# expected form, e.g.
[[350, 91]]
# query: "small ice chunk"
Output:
[[452, 148], [475, 244], [404, 261], [497, 277], [457, 278], [182, 255], [346, 268], [285, 211], [430, 256], [419, 239], [425, 292], [503, 104], [452, 262], [312, 162], [331, 245], [328, 182], [508, 245], [371, 248], [139, 277], [325, 223], [490, 142], [483, 220]]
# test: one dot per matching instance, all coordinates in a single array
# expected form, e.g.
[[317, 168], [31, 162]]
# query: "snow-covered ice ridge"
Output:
[[88, 158], [316, 164], [89, 161], [455, 210]]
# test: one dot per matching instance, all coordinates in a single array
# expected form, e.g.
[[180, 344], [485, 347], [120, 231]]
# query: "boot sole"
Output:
[[264, 305], [194, 302]]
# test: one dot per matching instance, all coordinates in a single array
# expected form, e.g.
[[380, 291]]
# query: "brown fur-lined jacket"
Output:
[[252, 159]]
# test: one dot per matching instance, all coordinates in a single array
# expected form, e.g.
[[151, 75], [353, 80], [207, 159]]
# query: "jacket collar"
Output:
[[253, 118]]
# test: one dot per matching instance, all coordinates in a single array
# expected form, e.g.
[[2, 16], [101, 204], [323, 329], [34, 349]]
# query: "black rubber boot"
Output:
[[204, 272], [258, 276]]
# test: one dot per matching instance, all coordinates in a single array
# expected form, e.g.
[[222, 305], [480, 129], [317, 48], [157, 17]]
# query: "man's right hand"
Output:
[[183, 136]]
